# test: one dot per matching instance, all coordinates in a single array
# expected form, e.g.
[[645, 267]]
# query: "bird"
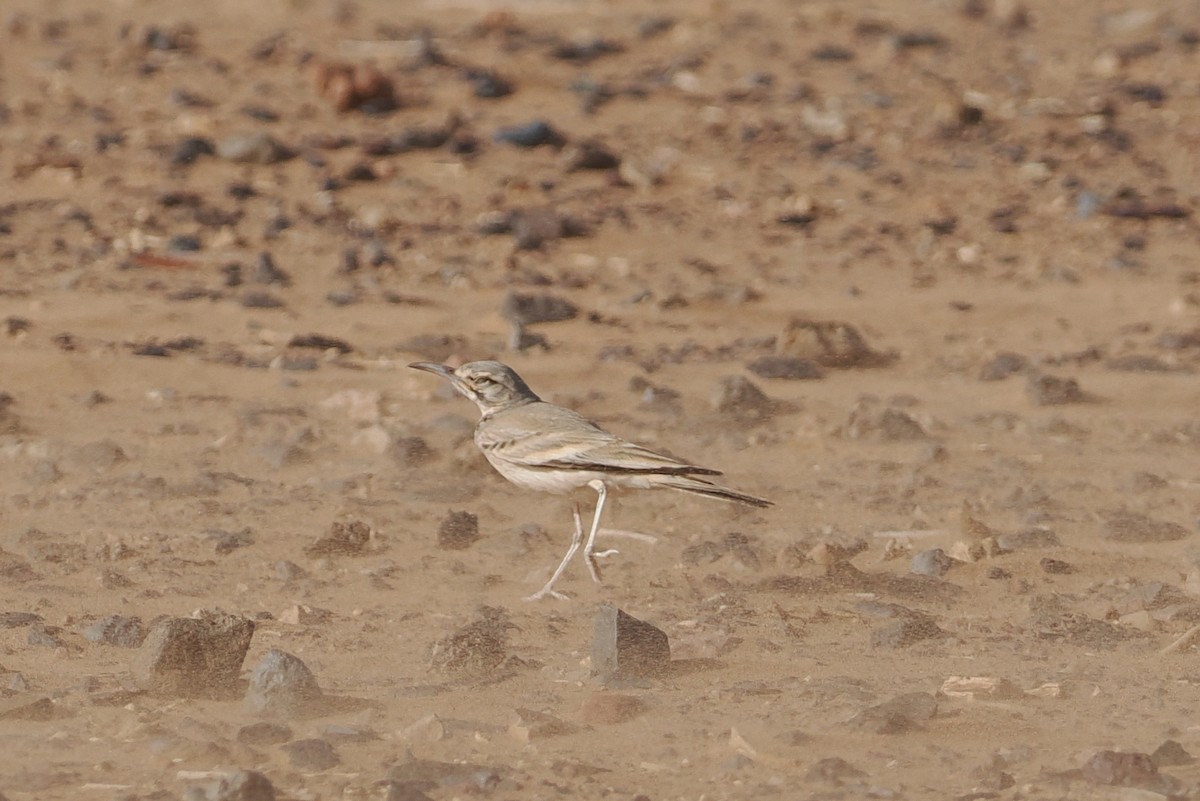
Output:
[[540, 446]]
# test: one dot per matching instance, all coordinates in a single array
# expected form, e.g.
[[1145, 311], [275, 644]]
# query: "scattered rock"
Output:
[[531, 725], [266, 272], [1126, 526], [282, 686], [264, 733], [13, 620], [253, 148], [355, 86], [531, 134], [833, 770], [911, 627], [542, 307], [26, 706], [99, 456], [312, 755], [194, 656], [889, 424], [1002, 365], [457, 531], [932, 562], [790, 368], [123, 632], [428, 774], [487, 84], [1171, 753], [478, 647], [352, 538], [320, 342], [1048, 390], [830, 344], [1033, 538], [1055, 567], [625, 647], [741, 400], [901, 714], [590, 155], [239, 785], [603, 708], [1126, 769]]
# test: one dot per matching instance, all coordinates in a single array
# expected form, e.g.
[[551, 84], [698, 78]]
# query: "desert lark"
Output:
[[540, 446]]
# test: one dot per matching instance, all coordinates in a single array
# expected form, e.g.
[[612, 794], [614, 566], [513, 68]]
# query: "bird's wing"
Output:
[[542, 435]]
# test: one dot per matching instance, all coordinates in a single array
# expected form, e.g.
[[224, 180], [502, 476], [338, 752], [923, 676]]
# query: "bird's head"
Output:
[[491, 385]]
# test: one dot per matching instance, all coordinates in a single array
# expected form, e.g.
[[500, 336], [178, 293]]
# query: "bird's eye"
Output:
[[483, 379]]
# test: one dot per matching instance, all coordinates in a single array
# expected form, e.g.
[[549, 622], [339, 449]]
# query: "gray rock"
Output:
[[282, 686], [312, 755], [542, 307], [253, 148], [194, 657], [1125, 526], [459, 530], [118, 630], [789, 368], [241, 785], [1028, 539], [932, 562], [625, 647]]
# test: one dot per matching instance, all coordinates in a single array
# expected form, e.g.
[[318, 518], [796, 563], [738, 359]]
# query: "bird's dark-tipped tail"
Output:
[[701, 487]]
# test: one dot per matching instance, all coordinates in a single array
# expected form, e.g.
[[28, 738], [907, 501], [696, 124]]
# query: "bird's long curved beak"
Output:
[[442, 370]]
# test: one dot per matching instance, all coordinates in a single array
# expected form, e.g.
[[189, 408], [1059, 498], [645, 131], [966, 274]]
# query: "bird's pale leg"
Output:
[[576, 541], [589, 550]]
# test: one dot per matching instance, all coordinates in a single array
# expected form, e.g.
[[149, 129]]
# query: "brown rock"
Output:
[[194, 657], [608, 708], [624, 646]]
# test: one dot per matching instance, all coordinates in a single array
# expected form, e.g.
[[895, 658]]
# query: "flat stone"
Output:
[[264, 733], [312, 754], [623, 646], [1125, 526], [457, 531]]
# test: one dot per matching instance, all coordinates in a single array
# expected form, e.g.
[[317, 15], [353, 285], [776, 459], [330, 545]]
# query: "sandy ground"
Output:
[[954, 181]]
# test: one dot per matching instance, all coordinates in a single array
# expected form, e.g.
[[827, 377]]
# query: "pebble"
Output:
[[790, 368], [26, 706], [603, 708], [488, 84], [1002, 365], [266, 272], [282, 686], [240, 785], [1171, 753], [350, 538], [625, 647], [830, 344], [1126, 526], [1055, 567], [899, 715], [834, 770], [252, 148], [739, 399], [531, 725], [1049, 390], [1124, 769], [478, 647], [320, 342], [932, 562], [531, 134], [464, 777], [590, 154], [264, 733], [260, 300], [355, 86], [1028, 539], [118, 630], [186, 151], [541, 307], [189, 657], [312, 754], [911, 628], [13, 620], [457, 531]]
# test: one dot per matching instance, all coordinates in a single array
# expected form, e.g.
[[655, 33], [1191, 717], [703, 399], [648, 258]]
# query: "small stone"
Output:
[[789, 368], [282, 686], [528, 309], [478, 647], [1056, 567], [1002, 365], [305, 615], [241, 785], [410, 451], [226, 542], [1026, 539], [312, 755], [1171, 753], [830, 344], [252, 148], [352, 538], [261, 300], [590, 155], [603, 708], [99, 455], [13, 620], [188, 150], [457, 531], [194, 657], [43, 636], [355, 86], [488, 84], [1121, 768], [834, 770], [266, 272], [264, 733], [532, 725], [123, 632], [285, 570], [320, 342], [532, 228], [901, 714], [1126, 526], [932, 562], [624, 647], [909, 629], [26, 707], [740, 399], [1048, 390], [531, 134]]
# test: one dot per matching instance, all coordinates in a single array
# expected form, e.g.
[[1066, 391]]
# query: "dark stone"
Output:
[[478, 647], [542, 307], [933, 562], [901, 714], [791, 368], [1171, 753], [909, 629], [282, 686], [457, 531], [1002, 365], [351, 538], [1049, 390], [242, 785], [623, 646], [264, 733], [266, 272], [194, 657], [188, 150], [531, 134], [1125, 526], [320, 342], [740, 399]]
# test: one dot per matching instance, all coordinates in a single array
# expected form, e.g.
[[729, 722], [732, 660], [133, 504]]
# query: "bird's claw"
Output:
[[546, 591]]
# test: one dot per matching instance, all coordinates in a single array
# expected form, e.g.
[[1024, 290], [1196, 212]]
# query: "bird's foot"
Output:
[[649, 539], [547, 592]]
